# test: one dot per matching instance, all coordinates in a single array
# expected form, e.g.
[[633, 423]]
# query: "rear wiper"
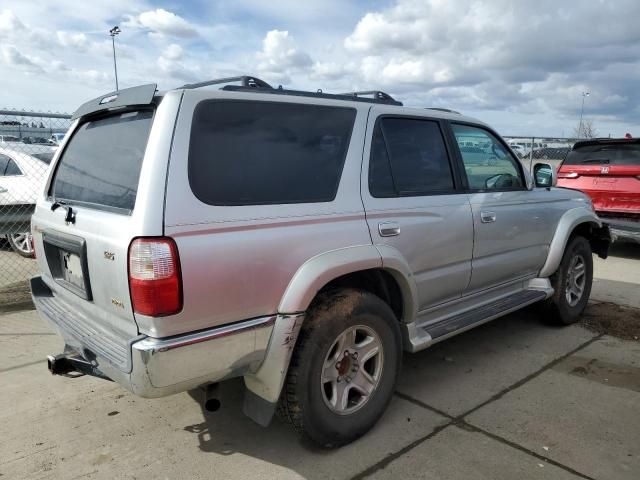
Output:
[[70, 217], [596, 160]]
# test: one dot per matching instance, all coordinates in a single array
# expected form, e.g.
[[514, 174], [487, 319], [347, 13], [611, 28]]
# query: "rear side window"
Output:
[[12, 169], [259, 153], [100, 167], [408, 158], [4, 161], [605, 154]]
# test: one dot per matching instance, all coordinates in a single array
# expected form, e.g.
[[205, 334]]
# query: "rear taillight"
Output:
[[568, 175], [154, 277]]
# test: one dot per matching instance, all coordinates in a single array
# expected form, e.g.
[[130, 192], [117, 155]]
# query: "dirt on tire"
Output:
[[611, 319]]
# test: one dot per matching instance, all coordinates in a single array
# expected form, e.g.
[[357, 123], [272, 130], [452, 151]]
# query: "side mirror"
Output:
[[545, 175]]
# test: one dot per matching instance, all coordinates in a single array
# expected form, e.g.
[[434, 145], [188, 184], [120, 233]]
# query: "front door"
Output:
[[414, 203], [510, 240]]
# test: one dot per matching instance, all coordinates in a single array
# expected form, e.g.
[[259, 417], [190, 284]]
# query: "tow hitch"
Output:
[[71, 364]]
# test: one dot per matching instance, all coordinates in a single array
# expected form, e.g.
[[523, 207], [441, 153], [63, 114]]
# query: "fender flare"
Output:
[[263, 386], [316, 272], [567, 224]]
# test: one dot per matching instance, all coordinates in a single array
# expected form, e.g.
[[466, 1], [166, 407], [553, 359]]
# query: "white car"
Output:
[[21, 178], [57, 138]]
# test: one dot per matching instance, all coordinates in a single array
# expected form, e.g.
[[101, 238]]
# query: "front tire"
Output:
[[571, 282], [344, 368], [21, 244]]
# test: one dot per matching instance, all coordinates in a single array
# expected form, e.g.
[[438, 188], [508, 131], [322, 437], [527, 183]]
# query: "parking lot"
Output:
[[516, 398]]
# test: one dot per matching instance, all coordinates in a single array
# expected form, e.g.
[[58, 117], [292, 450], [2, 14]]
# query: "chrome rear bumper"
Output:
[[155, 367]]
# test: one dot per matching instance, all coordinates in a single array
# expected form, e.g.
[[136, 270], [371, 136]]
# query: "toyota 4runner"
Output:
[[301, 240]]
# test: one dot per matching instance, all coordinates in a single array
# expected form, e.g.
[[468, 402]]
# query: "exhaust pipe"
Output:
[[71, 364], [211, 401]]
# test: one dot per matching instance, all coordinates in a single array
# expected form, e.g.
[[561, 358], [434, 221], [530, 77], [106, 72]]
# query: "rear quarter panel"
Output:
[[237, 261]]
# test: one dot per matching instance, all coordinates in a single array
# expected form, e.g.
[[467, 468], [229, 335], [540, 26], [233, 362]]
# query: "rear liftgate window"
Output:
[[260, 153], [100, 166], [605, 154]]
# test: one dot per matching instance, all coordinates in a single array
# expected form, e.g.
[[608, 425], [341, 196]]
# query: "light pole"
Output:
[[113, 32], [584, 95]]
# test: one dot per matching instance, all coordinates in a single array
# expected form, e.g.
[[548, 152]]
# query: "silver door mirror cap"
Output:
[[544, 175]]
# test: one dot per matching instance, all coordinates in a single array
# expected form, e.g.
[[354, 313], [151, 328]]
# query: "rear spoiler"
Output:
[[140, 95]]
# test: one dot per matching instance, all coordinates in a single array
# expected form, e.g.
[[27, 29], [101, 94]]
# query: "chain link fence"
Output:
[[28, 141], [532, 150]]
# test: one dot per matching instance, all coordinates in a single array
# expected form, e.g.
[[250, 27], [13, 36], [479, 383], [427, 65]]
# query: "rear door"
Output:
[[102, 193], [511, 224], [414, 204]]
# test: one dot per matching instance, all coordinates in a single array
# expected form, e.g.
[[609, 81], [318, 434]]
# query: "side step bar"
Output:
[[424, 336]]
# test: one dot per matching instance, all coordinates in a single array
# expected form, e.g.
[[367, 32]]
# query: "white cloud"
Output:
[[14, 58], [173, 52], [72, 39], [162, 22], [280, 56], [10, 23]]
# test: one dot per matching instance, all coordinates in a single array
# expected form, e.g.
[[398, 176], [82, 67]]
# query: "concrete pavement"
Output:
[[516, 398]]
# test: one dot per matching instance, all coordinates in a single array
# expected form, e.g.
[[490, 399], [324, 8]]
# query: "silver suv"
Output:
[[300, 240]]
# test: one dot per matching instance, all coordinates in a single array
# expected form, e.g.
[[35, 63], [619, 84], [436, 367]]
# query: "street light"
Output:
[[113, 32], [584, 95]]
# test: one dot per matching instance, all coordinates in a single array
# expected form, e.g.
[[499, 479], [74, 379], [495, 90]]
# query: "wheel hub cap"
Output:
[[576, 279], [352, 369]]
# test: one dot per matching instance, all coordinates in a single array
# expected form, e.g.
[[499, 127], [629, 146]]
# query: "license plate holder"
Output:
[[67, 259]]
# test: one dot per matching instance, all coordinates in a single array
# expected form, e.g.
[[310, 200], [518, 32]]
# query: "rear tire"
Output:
[[344, 368], [571, 282]]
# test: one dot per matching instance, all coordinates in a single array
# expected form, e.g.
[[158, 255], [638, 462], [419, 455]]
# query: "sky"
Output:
[[520, 66]]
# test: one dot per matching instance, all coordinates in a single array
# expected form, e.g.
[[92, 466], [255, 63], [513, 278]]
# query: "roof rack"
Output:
[[245, 80], [439, 109], [249, 83], [375, 94]]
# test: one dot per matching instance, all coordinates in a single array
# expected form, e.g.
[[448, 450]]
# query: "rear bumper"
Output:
[[623, 228], [155, 367]]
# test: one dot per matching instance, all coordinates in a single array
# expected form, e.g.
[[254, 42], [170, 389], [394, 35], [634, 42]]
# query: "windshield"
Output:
[[605, 154], [45, 157], [100, 166]]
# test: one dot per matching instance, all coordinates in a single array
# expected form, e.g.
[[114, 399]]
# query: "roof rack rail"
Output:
[[245, 80], [317, 94], [439, 109], [375, 94]]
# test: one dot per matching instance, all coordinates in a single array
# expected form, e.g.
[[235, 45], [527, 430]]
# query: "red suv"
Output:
[[608, 170]]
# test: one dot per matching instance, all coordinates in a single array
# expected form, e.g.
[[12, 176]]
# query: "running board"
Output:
[[420, 337]]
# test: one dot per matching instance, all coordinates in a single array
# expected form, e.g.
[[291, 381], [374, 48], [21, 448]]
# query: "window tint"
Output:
[[380, 178], [4, 161], [12, 169], [408, 157], [100, 167], [605, 154], [252, 153], [487, 163]]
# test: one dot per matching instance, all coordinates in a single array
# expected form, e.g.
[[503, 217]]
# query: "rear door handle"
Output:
[[487, 217], [388, 229], [3, 190]]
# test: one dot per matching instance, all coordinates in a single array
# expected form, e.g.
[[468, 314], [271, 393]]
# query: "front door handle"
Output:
[[388, 229], [487, 217]]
